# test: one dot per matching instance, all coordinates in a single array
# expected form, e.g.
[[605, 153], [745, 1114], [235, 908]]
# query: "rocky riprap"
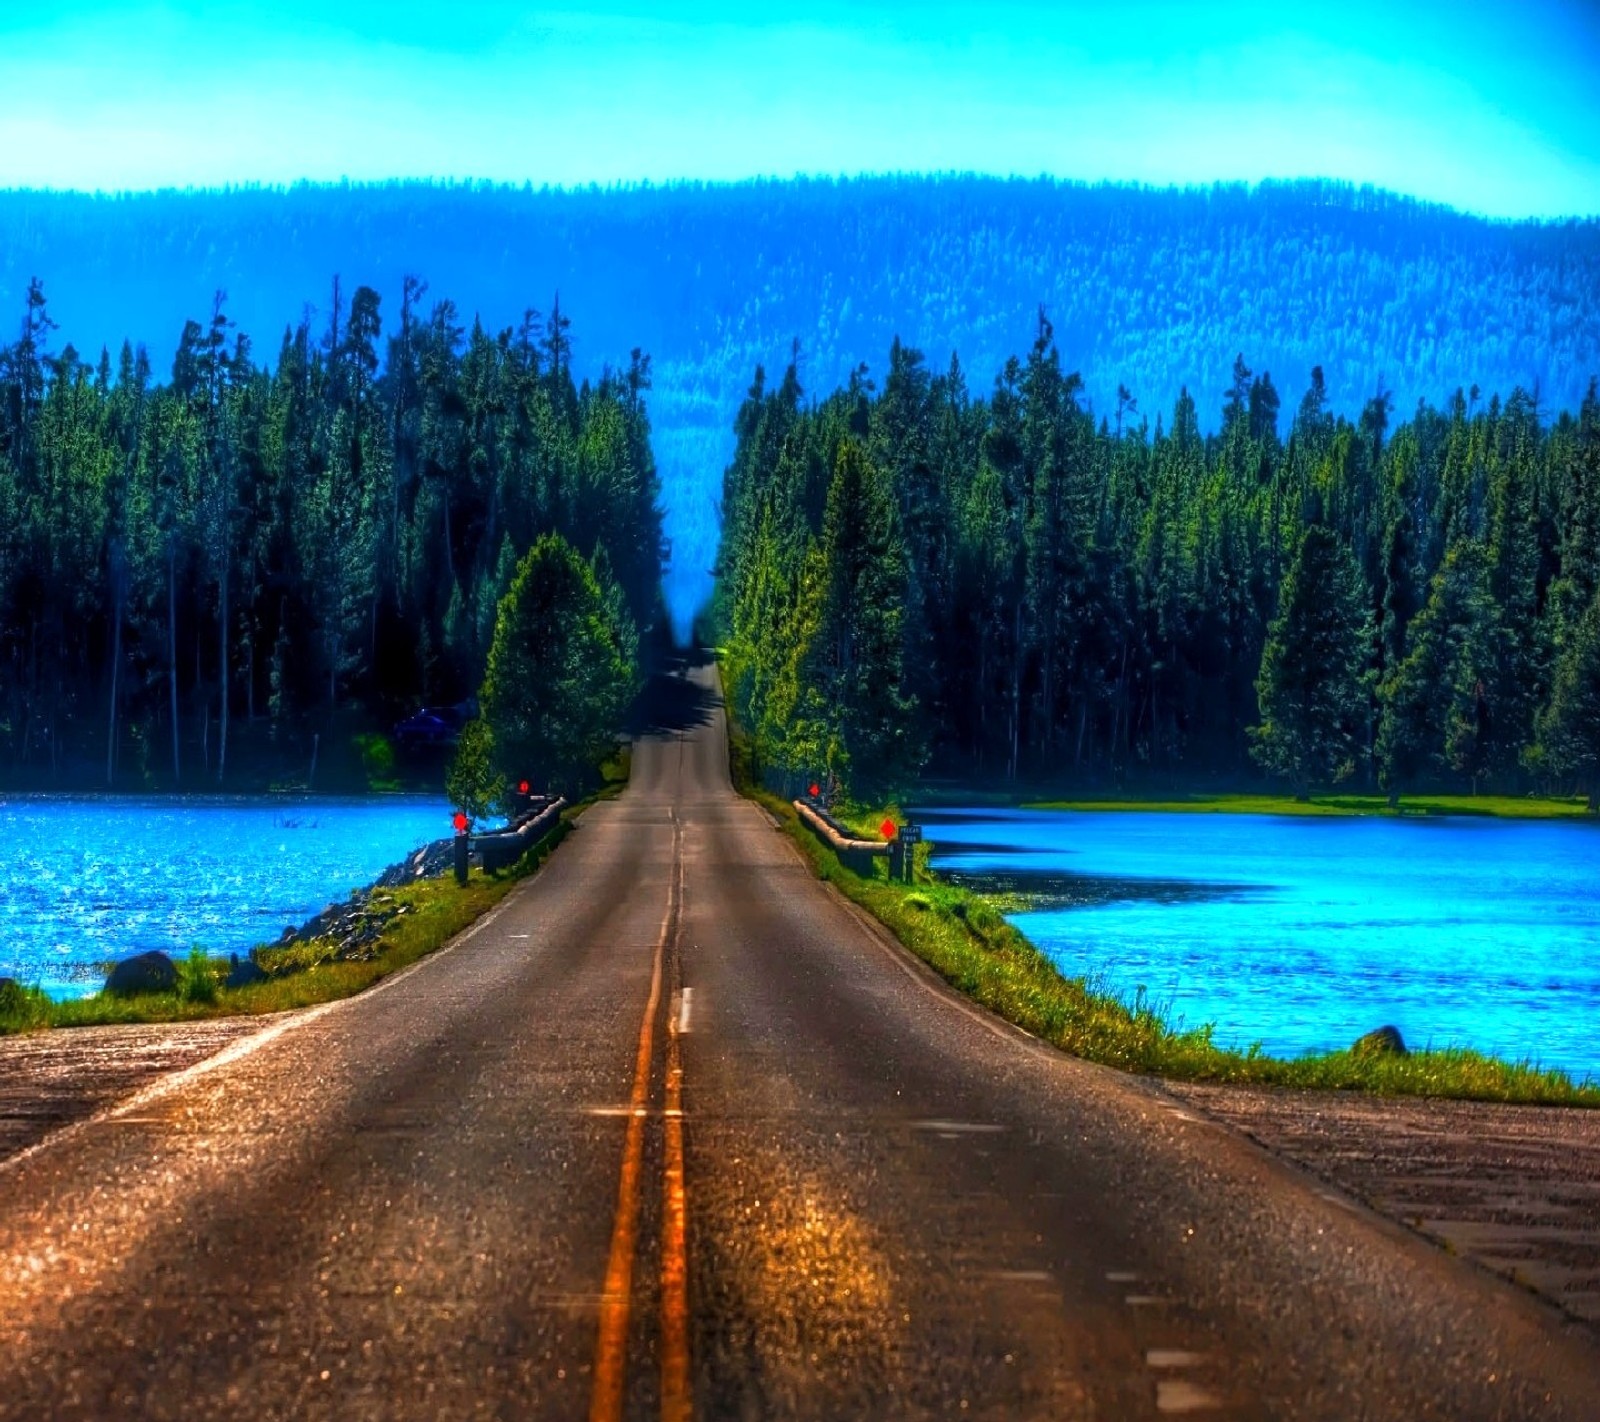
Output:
[[353, 930], [426, 863]]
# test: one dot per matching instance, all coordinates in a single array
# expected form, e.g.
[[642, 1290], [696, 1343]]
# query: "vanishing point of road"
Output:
[[675, 1133]]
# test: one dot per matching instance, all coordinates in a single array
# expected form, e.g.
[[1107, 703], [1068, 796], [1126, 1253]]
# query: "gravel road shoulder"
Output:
[[1516, 1189], [51, 1079]]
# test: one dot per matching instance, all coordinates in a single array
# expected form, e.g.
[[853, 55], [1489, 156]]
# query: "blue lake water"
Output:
[[1303, 933], [87, 880]]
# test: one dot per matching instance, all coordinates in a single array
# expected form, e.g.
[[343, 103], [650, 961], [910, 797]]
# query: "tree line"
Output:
[[1010, 586], [248, 554], [1154, 288]]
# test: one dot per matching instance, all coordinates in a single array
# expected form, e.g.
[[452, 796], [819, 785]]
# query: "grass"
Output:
[[1511, 807], [965, 939], [305, 974]]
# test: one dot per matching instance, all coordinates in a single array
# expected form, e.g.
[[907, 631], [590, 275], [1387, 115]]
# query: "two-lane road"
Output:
[[674, 1133]]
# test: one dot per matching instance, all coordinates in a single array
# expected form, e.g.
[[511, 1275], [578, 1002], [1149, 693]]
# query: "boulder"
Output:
[[1385, 1042], [243, 971], [147, 972]]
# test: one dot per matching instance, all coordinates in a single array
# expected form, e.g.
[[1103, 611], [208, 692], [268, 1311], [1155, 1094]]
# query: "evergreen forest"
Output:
[[1152, 290], [1004, 583], [210, 573]]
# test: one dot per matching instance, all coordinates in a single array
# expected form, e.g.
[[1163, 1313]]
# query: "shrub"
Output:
[[21, 1007], [377, 760], [197, 977]]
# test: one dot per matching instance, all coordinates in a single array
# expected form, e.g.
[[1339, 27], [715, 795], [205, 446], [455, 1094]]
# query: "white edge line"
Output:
[[244, 1046]]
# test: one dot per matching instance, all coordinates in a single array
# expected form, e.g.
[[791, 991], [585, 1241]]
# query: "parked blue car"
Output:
[[433, 726]]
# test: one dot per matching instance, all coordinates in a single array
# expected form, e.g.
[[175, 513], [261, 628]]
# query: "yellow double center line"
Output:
[[611, 1349]]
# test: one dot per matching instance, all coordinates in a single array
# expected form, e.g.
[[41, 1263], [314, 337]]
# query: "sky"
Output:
[[1492, 107]]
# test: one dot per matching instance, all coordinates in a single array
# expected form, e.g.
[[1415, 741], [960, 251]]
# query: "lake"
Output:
[[87, 880], [1304, 933]]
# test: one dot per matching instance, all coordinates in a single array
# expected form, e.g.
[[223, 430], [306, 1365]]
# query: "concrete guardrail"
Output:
[[855, 854], [500, 848]]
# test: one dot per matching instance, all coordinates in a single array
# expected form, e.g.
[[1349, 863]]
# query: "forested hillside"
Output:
[[1151, 290], [1001, 582], [269, 551]]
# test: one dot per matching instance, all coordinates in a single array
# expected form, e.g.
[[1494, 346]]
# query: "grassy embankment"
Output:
[[304, 974], [1510, 807], [964, 938]]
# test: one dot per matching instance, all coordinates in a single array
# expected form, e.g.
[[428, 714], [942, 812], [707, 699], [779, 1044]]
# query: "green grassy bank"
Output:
[[304, 974], [964, 938], [1510, 807]]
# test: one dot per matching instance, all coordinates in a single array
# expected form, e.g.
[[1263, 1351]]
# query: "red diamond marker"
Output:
[[460, 822], [522, 787], [886, 829], [815, 790]]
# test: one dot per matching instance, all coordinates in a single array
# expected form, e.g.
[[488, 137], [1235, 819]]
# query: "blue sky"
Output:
[[1492, 107]]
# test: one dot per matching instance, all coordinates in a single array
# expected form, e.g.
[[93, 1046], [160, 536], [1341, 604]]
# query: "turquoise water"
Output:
[[1302, 934], [87, 880]]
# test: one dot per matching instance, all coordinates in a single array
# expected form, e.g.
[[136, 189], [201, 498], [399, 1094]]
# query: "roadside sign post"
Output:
[[909, 837], [896, 849], [463, 846]]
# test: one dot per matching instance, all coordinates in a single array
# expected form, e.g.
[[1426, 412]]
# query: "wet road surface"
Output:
[[674, 1133]]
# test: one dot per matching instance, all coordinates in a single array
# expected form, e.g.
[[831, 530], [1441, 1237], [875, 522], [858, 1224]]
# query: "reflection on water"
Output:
[[87, 880], [1042, 889], [1304, 933]]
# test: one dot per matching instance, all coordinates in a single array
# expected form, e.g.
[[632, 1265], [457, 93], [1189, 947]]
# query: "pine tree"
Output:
[[557, 685], [1313, 682], [1569, 726], [879, 738], [1436, 715]]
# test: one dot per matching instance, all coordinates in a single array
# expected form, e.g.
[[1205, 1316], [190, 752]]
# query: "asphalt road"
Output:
[[673, 1133]]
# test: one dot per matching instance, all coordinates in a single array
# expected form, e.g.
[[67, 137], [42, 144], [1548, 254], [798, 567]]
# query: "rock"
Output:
[[146, 972], [1385, 1042], [432, 859], [243, 971]]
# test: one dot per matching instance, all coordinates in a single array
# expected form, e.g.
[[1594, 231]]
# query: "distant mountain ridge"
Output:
[[1155, 289]]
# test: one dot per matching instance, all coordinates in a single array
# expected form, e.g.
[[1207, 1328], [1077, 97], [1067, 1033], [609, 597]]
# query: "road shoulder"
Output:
[[49, 1080], [1515, 1189]]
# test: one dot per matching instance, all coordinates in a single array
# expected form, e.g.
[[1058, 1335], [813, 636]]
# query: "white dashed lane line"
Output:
[[1172, 1394], [1181, 1395], [958, 1128]]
